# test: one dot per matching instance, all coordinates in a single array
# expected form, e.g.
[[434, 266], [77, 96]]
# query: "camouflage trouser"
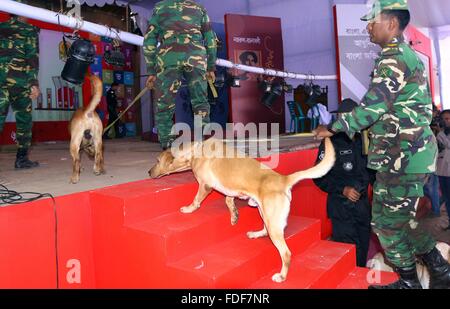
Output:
[[394, 217], [168, 81], [16, 94]]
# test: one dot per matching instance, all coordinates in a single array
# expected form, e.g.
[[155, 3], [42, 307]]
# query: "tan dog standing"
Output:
[[86, 131], [245, 178]]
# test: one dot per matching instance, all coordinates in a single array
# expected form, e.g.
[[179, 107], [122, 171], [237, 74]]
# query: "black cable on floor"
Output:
[[10, 197]]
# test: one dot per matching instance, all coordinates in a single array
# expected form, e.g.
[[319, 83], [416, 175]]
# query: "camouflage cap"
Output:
[[385, 5]]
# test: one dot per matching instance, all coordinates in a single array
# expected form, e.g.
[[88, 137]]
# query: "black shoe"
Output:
[[22, 160], [408, 280], [439, 269]]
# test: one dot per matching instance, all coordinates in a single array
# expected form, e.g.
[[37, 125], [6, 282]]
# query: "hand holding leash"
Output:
[[150, 81], [211, 76]]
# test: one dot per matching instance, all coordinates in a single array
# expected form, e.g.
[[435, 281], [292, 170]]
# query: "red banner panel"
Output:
[[254, 41]]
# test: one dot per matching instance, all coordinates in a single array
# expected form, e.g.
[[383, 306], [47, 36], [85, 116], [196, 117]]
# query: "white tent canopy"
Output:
[[426, 13], [308, 36]]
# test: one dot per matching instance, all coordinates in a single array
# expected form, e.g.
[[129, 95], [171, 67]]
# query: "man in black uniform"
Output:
[[346, 184], [111, 101]]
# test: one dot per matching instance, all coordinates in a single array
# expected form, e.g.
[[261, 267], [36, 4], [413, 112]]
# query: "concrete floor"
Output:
[[126, 160]]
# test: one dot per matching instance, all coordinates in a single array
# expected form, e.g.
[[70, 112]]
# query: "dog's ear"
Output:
[[166, 157], [170, 157]]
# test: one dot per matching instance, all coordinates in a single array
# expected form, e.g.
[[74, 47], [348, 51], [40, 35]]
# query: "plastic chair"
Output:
[[297, 117]]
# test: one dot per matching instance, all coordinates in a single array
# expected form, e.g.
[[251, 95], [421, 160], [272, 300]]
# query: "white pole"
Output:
[[29, 11], [51, 17], [271, 72]]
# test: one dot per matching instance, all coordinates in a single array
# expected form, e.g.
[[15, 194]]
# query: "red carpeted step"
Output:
[[179, 234], [323, 265], [239, 261], [359, 278], [150, 198]]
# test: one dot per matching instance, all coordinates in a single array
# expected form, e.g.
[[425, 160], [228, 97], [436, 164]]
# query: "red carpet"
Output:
[[133, 236]]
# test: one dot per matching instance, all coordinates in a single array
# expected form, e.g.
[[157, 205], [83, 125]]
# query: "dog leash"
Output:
[[124, 111], [213, 89]]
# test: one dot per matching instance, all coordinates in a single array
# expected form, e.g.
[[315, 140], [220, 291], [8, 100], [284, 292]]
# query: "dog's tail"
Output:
[[318, 170], [97, 92]]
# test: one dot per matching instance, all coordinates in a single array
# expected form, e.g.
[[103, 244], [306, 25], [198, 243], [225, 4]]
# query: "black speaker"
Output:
[[81, 55], [271, 96]]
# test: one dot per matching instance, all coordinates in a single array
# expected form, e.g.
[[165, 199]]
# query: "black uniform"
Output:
[[111, 101], [351, 221]]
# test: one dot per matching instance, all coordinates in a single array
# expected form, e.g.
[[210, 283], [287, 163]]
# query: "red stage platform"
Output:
[[133, 236]]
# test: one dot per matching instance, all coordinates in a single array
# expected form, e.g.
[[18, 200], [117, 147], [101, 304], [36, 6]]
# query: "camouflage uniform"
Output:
[[188, 49], [19, 64], [397, 109]]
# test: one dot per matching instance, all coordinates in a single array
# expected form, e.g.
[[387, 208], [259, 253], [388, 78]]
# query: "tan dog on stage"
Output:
[[86, 131], [378, 263], [245, 178]]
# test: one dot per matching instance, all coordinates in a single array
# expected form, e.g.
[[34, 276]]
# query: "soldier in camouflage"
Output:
[[187, 50], [19, 64], [397, 111]]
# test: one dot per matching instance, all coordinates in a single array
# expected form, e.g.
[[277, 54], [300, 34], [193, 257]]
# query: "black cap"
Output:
[[346, 106]]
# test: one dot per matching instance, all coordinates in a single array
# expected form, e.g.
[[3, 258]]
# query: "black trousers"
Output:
[[113, 116], [351, 224]]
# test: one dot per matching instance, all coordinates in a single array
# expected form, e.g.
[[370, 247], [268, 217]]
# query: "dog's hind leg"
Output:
[[257, 234], [98, 165], [275, 212], [277, 236], [75, 153], [233, 209], [202, 193]]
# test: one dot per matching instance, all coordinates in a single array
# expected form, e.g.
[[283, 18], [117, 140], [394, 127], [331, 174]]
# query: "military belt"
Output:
[[183, 39]]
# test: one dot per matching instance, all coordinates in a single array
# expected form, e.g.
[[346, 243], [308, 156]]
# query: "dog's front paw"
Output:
[[188, 209], [252, 203], [251, 235], [278, 278], [74, 180], [257, 234]]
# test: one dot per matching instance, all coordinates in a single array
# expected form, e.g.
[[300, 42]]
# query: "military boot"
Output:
[[439, 269], [408, 280], [22, 160]]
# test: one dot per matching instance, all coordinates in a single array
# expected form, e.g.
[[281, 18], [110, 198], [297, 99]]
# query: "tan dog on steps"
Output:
[[86, 131], [244, 178]]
